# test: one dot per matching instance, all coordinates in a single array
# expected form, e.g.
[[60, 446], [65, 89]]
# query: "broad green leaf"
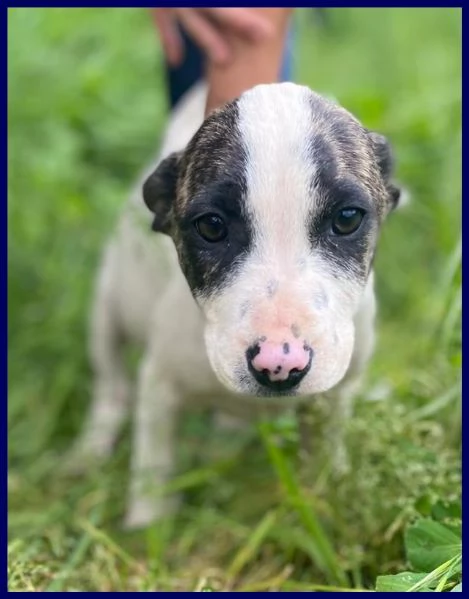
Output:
[[399, 582], [429, 544]]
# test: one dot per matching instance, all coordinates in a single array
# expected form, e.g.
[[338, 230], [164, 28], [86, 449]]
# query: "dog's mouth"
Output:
[[275, 392], [246, 385]]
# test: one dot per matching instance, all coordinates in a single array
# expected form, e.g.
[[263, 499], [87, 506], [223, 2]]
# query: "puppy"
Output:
[[254, 290]]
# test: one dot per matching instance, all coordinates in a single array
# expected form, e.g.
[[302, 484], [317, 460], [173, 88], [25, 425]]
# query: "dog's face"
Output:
[[274, 208]]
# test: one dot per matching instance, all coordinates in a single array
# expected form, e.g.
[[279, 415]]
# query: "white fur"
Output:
[[142, 293]]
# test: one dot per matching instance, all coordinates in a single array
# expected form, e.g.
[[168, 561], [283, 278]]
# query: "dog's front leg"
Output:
[[111, 401], [152, 447]]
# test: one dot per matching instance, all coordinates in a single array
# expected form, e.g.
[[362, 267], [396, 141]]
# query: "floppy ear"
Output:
[[159, 192], [385, 160]]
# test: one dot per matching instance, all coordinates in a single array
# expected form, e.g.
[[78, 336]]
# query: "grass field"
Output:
[[86, 108]]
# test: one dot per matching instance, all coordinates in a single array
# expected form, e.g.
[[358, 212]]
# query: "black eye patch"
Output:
[[340, 196], [341, 226], [217, 206], [225, 197], [214, 236]]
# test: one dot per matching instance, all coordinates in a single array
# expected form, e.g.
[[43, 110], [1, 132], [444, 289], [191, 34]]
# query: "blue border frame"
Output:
[[4, 271], [5, 178], [322, 4]]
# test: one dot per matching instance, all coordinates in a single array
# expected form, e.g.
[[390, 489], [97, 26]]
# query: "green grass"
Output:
[[86, 110]]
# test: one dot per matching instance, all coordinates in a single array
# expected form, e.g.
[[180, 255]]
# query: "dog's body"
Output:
[[284, 304]]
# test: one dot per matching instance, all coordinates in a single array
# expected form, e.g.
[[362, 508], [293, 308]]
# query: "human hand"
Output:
[[207, 27]]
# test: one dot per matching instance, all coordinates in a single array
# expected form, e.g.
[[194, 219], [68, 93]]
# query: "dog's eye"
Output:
[[211, 227], [347, 221]]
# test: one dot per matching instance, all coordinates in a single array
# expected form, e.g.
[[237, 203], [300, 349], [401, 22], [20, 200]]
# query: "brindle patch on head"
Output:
[[212, 180], [216, 152], [344, 149], [347, 175]]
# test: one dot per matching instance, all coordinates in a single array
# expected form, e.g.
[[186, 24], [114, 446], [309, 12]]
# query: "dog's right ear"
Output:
[[159, 192], [385, 160]]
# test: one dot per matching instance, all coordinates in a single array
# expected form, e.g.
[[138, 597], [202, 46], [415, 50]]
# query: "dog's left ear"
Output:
[[159, 191], [385, 159]]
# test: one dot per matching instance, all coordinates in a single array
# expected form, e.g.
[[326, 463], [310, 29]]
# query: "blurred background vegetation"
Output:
[[87, 106]]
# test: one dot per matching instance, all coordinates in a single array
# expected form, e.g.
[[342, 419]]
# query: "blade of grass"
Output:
[[293, 585], [436, 573], [76, 557], [251, 547], [112, 546], [196, 478], [325, 554], [436, 405], [271, 584]]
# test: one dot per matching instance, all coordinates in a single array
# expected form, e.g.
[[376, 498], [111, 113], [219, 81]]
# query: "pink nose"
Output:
[[279, 365]]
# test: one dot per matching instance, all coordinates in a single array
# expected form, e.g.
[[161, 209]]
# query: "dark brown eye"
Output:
[[211, 227], [347, 221]]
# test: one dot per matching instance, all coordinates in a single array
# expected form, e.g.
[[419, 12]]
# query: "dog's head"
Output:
[[275, 207]]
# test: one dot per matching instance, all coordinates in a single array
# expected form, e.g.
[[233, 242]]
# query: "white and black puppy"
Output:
[[259, 295]]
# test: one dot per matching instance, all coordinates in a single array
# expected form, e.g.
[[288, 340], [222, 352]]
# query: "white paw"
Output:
[[83, 457], [143, 512]]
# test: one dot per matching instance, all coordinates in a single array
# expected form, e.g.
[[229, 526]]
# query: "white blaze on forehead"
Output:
[[275, 122]]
